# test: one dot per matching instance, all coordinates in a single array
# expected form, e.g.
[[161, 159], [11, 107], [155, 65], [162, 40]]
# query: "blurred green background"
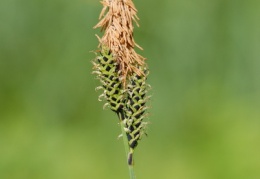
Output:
[[204, 59]]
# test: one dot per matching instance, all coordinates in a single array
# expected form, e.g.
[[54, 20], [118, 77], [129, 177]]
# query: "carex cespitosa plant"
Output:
[[122, 72]]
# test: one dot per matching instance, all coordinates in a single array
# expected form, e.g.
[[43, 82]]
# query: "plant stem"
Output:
[[130, 167]]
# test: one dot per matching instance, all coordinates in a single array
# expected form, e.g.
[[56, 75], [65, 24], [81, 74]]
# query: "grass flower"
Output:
[[122, 72]]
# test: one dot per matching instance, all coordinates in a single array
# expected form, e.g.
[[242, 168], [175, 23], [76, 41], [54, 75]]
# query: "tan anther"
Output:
[[117, 18]]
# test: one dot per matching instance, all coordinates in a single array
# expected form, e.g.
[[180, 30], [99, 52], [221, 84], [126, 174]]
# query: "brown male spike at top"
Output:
[[117, 18]]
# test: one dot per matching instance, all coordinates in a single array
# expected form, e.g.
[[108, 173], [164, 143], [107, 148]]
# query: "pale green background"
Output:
[[204, 59]]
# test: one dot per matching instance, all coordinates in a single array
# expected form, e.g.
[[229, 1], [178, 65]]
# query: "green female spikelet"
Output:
[[135, 110], [108, 73]]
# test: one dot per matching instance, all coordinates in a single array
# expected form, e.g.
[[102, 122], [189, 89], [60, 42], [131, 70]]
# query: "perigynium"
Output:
[[122, 72]]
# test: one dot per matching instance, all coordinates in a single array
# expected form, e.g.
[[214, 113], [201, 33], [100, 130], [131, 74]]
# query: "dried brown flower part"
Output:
[[116, 20]]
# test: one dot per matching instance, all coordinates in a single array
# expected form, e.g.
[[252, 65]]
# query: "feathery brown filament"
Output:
[[121, 71], [117, 18]]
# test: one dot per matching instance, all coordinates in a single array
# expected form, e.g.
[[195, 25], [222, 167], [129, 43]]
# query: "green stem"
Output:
[[130, 167]]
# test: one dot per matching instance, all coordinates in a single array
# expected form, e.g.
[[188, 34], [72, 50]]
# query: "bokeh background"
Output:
[[204, 59]]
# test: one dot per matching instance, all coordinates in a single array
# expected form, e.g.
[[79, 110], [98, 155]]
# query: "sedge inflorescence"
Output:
[[121, 71]]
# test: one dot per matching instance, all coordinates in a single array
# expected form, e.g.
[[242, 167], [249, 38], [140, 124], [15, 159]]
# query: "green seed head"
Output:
[[109, 75], [135, 109]]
